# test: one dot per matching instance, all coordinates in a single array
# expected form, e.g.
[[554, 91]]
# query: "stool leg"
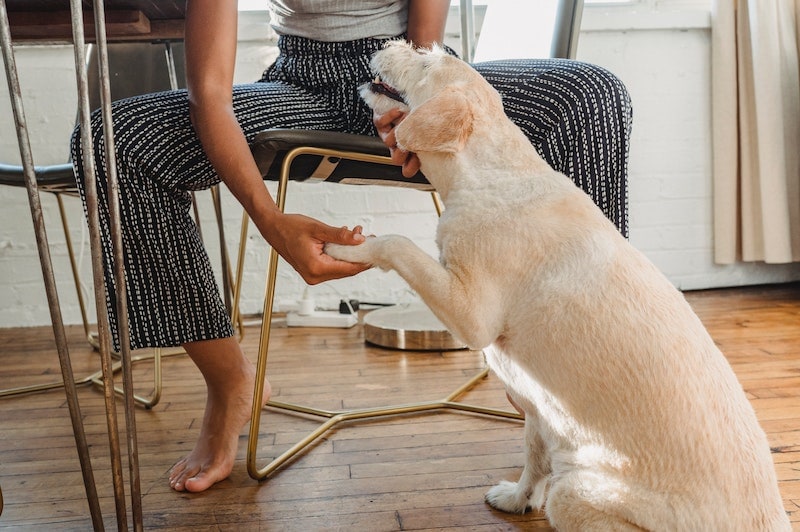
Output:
[[97, 267], [236, 318], [263, 345]]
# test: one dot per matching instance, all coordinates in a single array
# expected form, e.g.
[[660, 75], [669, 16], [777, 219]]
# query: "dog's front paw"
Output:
[[372, 251], [508, 497], [360, 253], [379, 251]]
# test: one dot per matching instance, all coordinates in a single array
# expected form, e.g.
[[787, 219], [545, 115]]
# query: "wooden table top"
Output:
[[126, 20]]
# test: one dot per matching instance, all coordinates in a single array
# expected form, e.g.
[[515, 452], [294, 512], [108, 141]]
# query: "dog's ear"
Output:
[[441, 124]]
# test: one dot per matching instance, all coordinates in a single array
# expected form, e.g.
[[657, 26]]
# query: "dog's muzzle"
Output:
[[379, 87]]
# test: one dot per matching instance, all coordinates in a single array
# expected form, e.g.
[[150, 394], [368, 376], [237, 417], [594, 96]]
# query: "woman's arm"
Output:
[[426, 21], [210, 40]]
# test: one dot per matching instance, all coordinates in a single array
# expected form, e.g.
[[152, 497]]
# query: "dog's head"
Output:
[[445, 96]]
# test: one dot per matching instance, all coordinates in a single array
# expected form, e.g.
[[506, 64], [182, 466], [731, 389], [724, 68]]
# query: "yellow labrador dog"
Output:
[[634, 419]]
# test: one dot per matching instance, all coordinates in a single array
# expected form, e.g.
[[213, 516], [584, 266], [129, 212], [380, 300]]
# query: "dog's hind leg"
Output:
[[587, 500], [531, 489]]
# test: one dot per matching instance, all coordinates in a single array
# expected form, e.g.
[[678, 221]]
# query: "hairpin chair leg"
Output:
[[96, 378], [230, 285], [236, 317], [92, 338], [47, 269], [332, 418], [73, 264]]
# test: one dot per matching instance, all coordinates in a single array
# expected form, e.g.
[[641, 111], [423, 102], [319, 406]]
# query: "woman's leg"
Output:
[[173, 298], [230, 379], [172, 294], [578, 116]]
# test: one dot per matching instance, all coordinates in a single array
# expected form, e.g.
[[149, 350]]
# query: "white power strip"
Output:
[[321, 318]]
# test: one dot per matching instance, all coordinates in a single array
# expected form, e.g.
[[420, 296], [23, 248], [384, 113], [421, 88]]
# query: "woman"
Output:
[[171, 143]]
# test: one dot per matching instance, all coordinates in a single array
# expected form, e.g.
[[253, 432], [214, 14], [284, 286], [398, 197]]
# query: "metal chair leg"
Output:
[[236, 317], [47, 269], [230, 285], [96, 378], [73, 264], [156, 357], [333, 418], [158, 353], [92, 338]]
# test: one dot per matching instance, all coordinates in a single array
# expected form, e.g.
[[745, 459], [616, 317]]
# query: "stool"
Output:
[[302, 155]]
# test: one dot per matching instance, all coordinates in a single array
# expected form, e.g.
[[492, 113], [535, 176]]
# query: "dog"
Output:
[[634, 420]]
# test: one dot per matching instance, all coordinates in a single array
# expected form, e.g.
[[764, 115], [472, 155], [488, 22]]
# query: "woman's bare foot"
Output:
[[230, 379]]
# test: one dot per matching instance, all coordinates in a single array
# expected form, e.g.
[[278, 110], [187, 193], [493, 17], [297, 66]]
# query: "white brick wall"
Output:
[[666, 70]]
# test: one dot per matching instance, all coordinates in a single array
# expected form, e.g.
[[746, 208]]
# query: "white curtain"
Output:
[[756, 130]]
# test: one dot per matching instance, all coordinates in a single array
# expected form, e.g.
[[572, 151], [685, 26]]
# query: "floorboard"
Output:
[[412, 472]]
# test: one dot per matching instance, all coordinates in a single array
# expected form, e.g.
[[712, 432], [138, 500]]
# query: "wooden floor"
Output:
[[418, 472]]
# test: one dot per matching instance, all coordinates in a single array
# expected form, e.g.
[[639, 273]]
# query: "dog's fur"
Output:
[[634, 419]]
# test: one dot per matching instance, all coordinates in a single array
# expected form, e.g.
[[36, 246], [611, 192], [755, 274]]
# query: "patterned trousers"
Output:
[[578, 117]]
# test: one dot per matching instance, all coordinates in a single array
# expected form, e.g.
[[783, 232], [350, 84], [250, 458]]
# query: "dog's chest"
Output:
[[507, 368], [463, 232], [520, 380]]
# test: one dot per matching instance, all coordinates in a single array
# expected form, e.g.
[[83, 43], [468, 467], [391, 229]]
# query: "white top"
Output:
[[339, 20]]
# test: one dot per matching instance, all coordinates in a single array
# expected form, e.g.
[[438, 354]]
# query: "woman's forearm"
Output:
[[228, 151], [210, 57]]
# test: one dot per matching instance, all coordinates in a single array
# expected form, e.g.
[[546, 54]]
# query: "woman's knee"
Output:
[[602, 89], [527, 84]]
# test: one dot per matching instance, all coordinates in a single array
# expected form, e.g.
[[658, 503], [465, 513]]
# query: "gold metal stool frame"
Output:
[[96, 378], [334, 417], [58, 180]]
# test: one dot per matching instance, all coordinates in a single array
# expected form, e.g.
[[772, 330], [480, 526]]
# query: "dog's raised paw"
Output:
[[359, 253], [507, 497]]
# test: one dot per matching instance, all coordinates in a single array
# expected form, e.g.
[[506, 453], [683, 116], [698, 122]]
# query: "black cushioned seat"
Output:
[[270, 148]]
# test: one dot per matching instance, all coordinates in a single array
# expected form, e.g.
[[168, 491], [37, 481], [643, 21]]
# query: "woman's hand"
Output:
[[300, 241], [385, 125]]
